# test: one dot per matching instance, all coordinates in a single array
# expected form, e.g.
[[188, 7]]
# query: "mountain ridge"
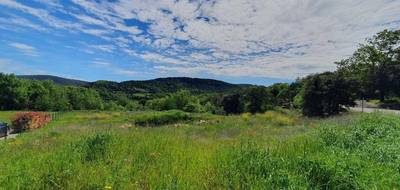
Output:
[[56, 79], [153, 86]]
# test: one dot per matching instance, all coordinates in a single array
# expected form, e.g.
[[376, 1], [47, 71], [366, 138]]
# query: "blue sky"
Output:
[[239, 41]]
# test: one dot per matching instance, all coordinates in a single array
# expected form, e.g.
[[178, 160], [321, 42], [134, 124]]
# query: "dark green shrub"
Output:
[[326, 94], [162, 118], [258, 100], [232, 104]]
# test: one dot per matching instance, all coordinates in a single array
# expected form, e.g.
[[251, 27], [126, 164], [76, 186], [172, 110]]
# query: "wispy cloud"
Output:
[[11, 66], [25, 49], [101, 62], [105, 48], [114, 69], [264, 38], [11, 23]]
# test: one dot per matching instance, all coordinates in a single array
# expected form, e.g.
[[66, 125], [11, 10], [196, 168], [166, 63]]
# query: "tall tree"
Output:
[[258, 99], [375, 65], [232, 104], [12, 93], [326, 94]]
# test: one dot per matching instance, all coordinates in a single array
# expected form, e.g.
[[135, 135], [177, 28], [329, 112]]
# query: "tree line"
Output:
[[21, 94], [372, 72]]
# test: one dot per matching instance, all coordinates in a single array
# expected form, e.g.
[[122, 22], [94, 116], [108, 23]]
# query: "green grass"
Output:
[[100, 150], [5, 116]]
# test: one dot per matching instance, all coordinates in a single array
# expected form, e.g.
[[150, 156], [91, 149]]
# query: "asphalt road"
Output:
[[371, 110]]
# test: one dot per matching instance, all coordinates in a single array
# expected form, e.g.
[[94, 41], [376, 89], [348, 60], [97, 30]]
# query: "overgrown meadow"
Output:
[[178, 150]]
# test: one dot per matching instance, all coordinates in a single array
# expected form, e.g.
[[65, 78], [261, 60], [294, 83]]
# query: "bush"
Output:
[[162, 118], [181, 100], [29, 120]]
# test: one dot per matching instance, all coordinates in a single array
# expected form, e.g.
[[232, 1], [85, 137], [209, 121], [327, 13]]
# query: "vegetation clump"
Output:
[[29, 120], [94, 148], [162, 118], [326, 94], [279, 119]]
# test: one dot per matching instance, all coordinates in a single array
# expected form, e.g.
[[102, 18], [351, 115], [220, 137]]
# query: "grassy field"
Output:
[[176, 150]]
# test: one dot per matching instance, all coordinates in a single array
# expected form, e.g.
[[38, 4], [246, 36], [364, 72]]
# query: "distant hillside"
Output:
[[173, 84], [163, 85], [146, 87], [55, 79]]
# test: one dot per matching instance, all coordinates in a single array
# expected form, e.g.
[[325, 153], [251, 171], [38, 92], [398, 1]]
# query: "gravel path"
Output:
[[10, 136]]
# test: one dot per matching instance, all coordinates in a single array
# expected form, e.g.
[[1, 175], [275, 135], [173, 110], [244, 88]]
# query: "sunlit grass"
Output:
[[107, 150]]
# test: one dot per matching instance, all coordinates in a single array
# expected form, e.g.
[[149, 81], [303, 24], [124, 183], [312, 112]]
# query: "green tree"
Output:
[[258, 100], [281, 94], [84, 99], [12, 93], [326, 94], [232, 104], [62, 103], [375, 65], [181, 100]]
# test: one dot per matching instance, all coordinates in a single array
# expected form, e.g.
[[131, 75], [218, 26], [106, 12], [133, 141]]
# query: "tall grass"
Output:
[[225, 152]]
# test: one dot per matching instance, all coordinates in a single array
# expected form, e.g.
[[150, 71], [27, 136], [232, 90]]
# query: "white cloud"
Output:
[[105, 47], [11, 66], [265, 38], [101, 63], [25, 49], [259, 37], [10, 23], [114, 69], [124, 72]]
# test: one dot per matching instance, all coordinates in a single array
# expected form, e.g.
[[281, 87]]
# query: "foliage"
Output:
[[181, 100], [12, 94], [112, 106], [376, 65], [55, 79], [258, 100], [162, 118], [19, 94], [232, 104], [29, 120], [165, 85], [326, 94]]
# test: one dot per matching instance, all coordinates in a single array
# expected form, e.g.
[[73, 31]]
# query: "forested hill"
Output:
[[155, 86], [166, 85], [55, 79]]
